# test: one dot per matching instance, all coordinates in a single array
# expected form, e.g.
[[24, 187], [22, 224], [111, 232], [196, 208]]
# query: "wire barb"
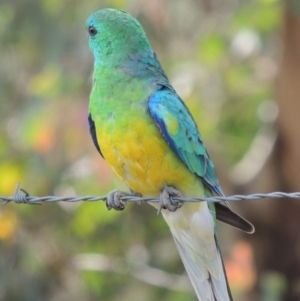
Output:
[[21, 196]]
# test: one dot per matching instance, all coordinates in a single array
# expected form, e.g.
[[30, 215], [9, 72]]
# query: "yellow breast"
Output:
[[141, 157]]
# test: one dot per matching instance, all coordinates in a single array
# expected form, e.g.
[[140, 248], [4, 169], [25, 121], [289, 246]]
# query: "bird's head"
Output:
[[115, 36]]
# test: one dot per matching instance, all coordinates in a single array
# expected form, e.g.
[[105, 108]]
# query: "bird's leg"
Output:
[[114, 201], [166, 199]]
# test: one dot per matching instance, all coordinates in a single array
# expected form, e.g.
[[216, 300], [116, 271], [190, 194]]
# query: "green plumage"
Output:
[[146, 133]]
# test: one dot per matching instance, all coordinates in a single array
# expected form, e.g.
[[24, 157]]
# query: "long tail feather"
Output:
[[206, 286], [193, 229]]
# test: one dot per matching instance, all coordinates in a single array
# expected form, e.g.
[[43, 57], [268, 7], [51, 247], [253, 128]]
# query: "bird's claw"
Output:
[[114, 200], [166, 199]]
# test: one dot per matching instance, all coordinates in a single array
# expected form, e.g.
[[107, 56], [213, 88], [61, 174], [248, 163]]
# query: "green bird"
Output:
[[148, 136]]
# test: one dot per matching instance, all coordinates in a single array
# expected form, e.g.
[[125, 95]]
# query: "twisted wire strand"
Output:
[[21, 196]]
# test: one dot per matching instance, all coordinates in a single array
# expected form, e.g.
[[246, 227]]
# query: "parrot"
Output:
[[147, 135]]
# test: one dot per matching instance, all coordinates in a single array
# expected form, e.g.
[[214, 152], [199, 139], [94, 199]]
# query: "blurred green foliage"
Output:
[[221, 57]]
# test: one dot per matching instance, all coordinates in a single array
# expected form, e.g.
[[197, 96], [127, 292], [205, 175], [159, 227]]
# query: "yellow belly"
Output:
[[141, 157]]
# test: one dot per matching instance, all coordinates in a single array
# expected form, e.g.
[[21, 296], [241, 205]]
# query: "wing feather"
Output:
[[181, 132], [94, 134], [179, 129]]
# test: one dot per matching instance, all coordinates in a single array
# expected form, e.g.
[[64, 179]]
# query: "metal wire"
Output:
[[21, 196]]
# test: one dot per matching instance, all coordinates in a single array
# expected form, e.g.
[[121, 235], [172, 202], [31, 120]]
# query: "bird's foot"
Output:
[[166, 199], [114, 201]]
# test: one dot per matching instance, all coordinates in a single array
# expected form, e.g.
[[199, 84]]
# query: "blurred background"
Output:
[[236, 63]]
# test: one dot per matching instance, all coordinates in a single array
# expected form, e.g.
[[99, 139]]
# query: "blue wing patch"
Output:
[[178, 127], [93, 134]]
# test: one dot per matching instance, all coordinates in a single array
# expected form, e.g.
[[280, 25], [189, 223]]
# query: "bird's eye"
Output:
[[92, 31]]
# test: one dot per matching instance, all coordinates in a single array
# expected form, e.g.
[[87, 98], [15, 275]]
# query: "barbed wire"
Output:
[[21, 196]]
